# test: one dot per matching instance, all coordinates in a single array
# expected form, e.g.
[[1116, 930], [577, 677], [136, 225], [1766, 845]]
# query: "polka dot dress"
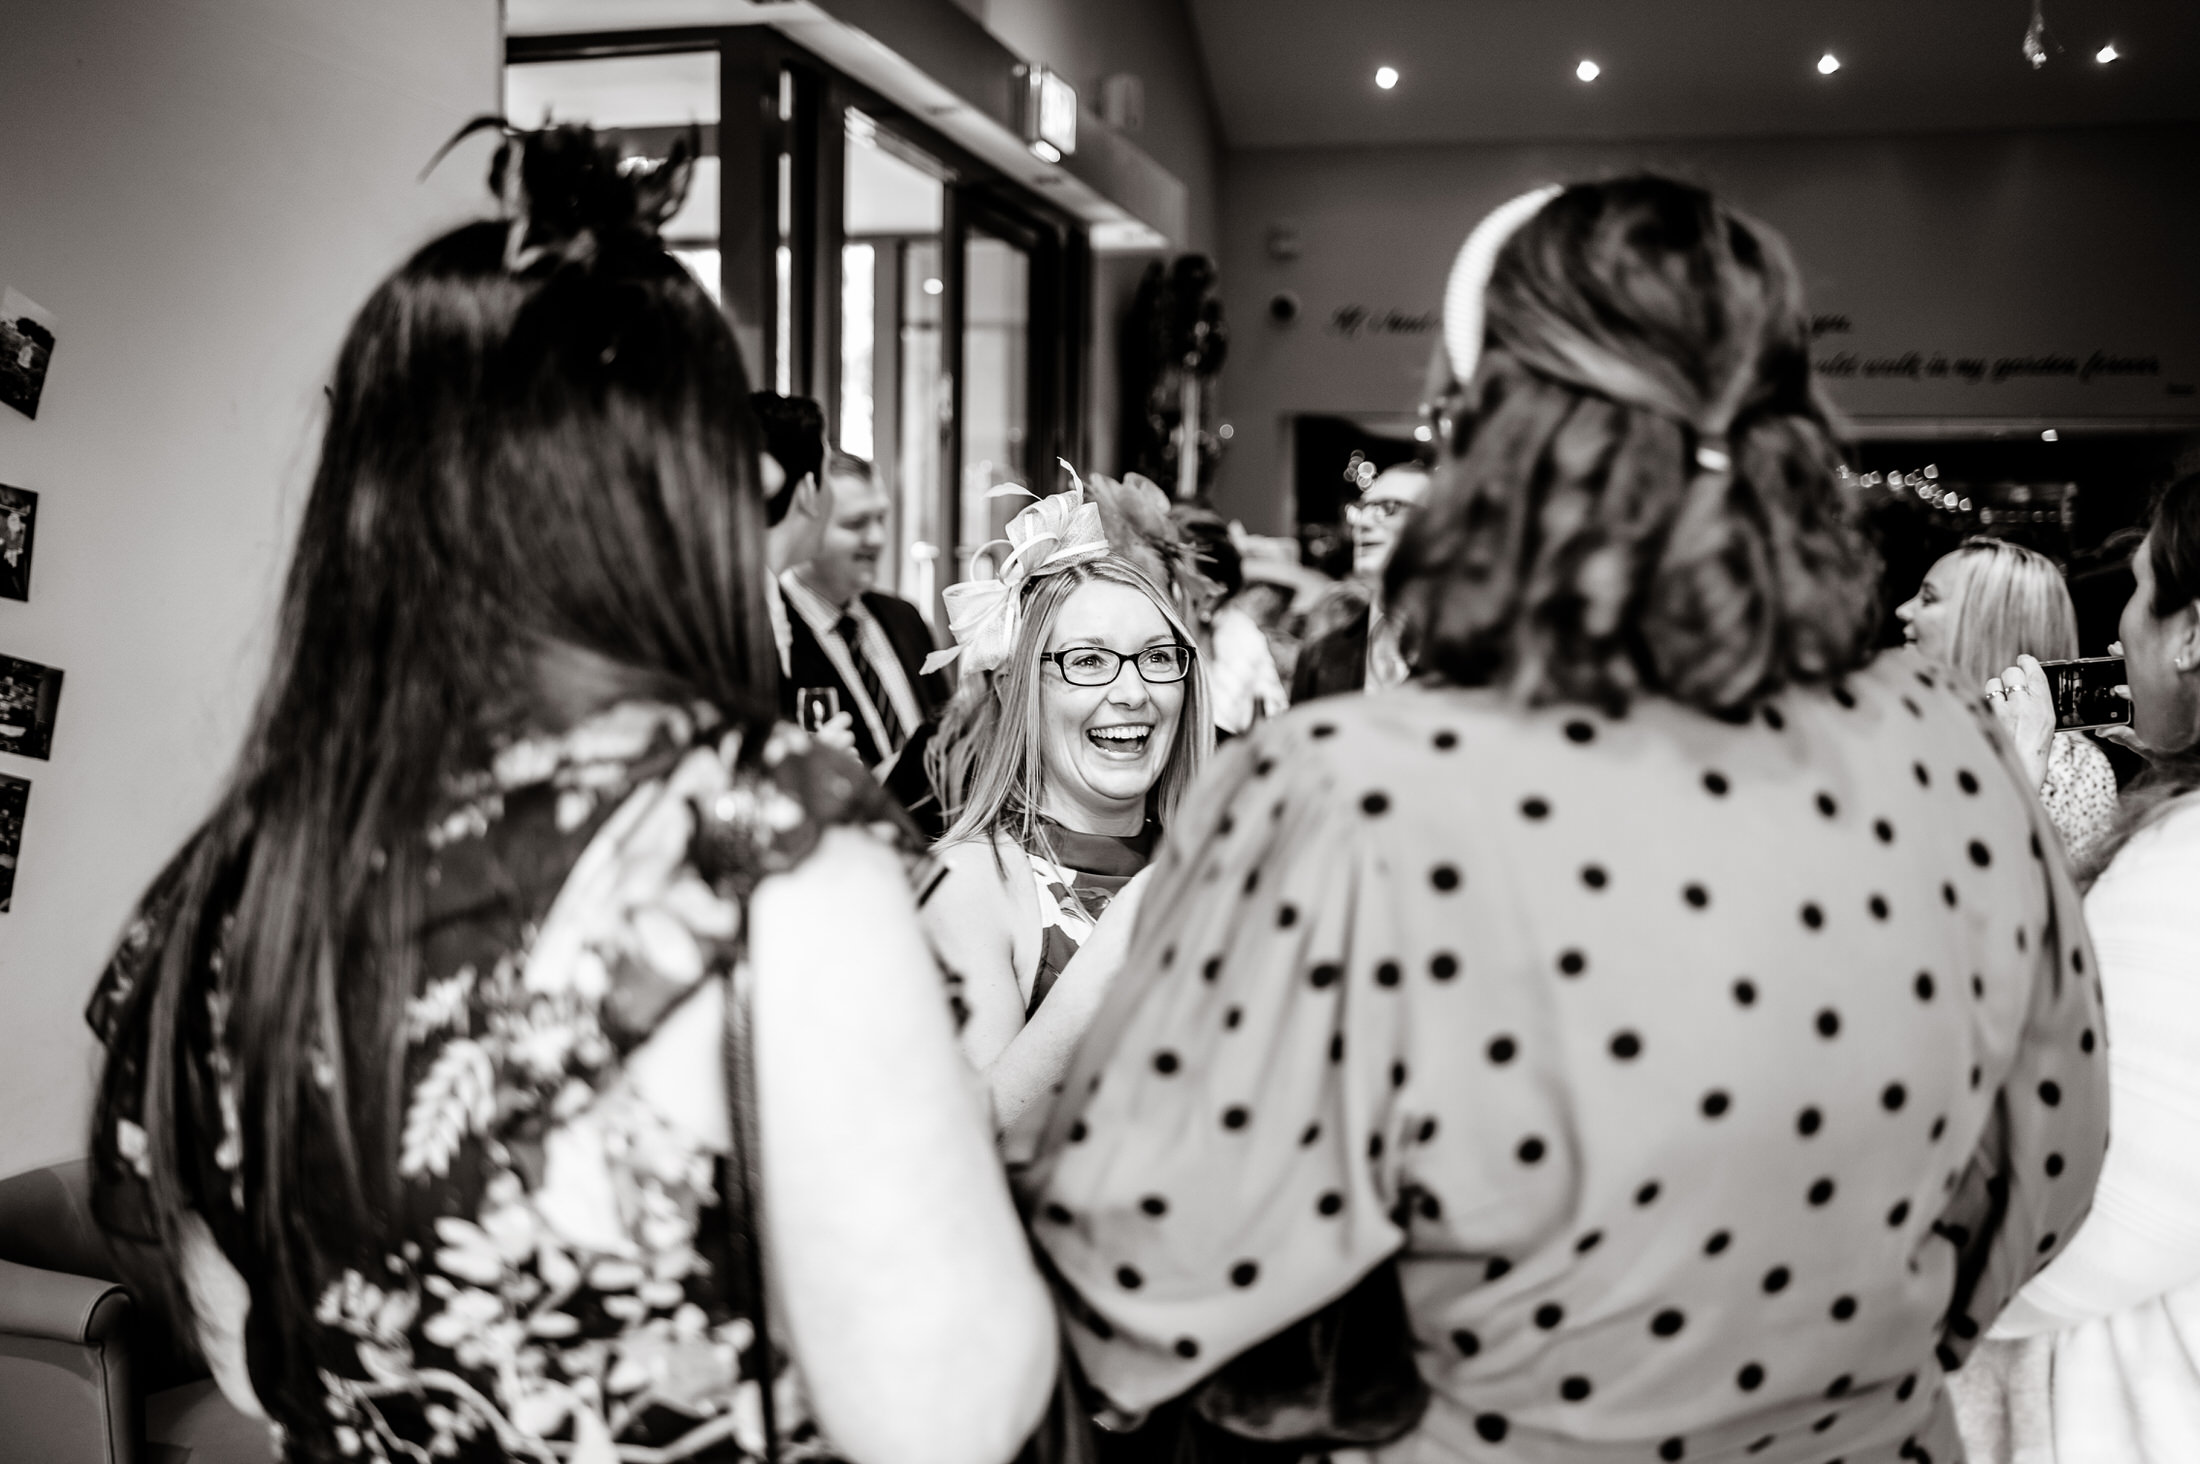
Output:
[[2079, 794], [1712, 1083]]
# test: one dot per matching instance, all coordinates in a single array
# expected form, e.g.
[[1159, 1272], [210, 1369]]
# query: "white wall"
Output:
[[202, 191], [1974, 246], [1153, 40]]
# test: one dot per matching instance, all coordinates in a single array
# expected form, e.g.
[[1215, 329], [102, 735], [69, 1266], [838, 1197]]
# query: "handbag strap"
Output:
[[744, 1173]]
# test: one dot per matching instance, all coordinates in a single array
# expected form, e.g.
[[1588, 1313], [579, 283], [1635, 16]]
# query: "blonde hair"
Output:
[[2009, 601], [987, 763]]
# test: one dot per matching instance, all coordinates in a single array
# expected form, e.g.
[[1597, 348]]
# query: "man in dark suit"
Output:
[[867, 644], [1360, 652]]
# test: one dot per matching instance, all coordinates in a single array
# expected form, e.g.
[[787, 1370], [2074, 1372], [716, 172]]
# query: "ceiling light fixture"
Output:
[[933, 286], [1588, 71], [2050, 435], [1828, 64], [1386, 77], [2107, 54]]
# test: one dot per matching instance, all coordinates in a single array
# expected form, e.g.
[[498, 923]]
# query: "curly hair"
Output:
[[1638, 494]]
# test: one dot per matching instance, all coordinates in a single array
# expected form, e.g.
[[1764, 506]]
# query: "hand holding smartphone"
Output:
[[2086, 694]]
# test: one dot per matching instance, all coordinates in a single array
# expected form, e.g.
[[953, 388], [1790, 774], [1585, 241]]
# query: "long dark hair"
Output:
[[1579, 541], [2173, 554], [539, 446]]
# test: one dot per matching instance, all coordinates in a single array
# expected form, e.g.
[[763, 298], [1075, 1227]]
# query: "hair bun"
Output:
[[566, 188]]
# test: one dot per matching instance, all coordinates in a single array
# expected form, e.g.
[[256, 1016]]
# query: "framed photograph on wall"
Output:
[[15, 794], [29, 693], [26, 346], [18, 520]]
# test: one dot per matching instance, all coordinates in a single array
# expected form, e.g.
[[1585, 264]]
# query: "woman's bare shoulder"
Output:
[[969, 874]]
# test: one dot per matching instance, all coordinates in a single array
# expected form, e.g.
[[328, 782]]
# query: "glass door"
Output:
[[996, 394], [896, 407], [935, 308]]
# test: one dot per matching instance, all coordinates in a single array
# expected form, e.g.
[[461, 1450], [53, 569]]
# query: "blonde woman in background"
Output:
[[1980, 608], [1081, 720]]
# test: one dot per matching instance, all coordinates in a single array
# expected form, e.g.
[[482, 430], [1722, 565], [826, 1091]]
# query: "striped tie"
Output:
[[874, 686]]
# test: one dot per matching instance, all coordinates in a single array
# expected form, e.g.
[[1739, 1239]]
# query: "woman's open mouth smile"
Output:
[[1125, 740]]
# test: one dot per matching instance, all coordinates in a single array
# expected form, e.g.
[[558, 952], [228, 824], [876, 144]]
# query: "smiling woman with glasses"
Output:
[[1088, 718]]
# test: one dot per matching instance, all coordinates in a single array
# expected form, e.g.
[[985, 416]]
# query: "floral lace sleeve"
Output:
[[566, 1278]]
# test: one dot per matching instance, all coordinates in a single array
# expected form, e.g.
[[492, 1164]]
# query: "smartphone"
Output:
[[814, 706], [2085, 692]]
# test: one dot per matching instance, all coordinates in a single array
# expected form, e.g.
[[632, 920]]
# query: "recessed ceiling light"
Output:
[[2050, 435], [1588, 71], [2107, 54], [1386, 77], [1828, 64], [933, 287]]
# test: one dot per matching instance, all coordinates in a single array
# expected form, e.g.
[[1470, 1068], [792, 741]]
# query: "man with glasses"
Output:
[[1362, 653]]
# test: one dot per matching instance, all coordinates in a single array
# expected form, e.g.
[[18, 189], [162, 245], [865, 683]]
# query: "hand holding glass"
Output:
[[814, 706]]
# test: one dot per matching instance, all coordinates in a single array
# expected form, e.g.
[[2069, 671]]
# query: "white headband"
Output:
[[1470, 277]]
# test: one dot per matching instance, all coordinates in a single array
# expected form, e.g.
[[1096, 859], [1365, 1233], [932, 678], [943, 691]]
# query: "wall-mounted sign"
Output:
[[1354, 321], [1050, 114]]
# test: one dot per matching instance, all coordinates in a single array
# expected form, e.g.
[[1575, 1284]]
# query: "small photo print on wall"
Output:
[[26, 345], [29, 693], [15, 794], [18, 519]]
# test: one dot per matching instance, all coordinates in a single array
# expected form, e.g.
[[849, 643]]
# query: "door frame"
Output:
[[750, 136]]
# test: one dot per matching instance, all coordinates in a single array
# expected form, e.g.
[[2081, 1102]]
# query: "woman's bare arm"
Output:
[[970, 918], [923, 1330], [1027, 1070]]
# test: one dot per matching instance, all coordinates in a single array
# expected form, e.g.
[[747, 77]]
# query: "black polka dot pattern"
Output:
[[1462, 947]]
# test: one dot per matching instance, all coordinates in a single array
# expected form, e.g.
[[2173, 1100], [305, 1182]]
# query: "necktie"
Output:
[[874, 686]]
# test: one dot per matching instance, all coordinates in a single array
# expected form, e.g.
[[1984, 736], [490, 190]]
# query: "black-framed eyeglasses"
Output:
[[1375, 512], [1099, 666]]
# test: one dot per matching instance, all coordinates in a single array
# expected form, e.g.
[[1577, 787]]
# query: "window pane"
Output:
[[894, 394], [858, 300], [927, 411], [704, 265], [667, 89], [996, 379]]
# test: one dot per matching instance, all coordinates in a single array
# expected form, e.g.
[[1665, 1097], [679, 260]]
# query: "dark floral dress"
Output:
[[567, 1279]]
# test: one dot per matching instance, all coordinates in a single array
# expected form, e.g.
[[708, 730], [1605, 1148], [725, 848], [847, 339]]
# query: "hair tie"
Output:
[[1470, 277], [1049, 536]]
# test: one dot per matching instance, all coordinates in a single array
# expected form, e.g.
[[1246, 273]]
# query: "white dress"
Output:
[[2110, 1331]]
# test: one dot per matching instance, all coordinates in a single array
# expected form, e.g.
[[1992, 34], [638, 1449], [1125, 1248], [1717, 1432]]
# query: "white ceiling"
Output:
[[1295, 73]]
